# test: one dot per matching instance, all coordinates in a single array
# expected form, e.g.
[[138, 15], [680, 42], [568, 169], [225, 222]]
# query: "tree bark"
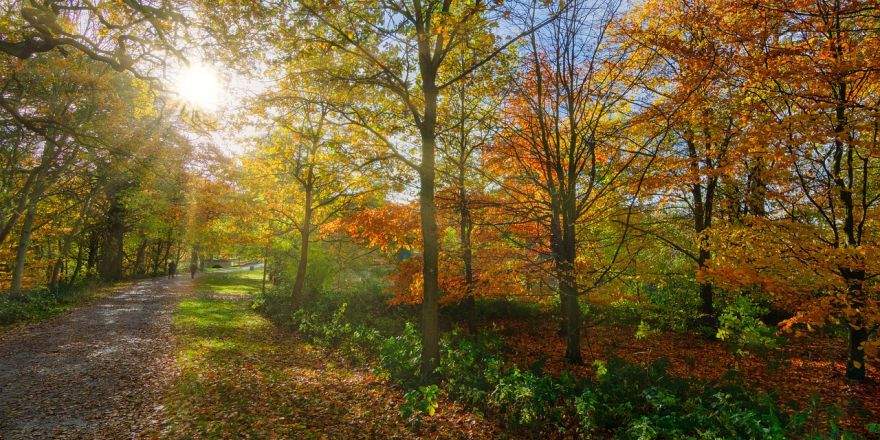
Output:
[[79, 263], [139, 257], [858, 331], [302, 264], [702, 211], [21, 252], [569, 285], [431, 244], [93, 253], [112, 252], [265, 269], [465, 228]]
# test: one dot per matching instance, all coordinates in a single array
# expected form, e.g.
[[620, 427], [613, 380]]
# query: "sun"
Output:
[[199, 86]]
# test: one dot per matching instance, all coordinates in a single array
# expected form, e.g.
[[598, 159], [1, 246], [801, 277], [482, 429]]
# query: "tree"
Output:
[[313, 168], [566, 133], [119, 34], [402, 48], [701, 103], [811, 69]]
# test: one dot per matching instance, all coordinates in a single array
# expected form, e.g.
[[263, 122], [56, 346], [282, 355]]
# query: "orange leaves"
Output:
[[391, 227], [499, 269]]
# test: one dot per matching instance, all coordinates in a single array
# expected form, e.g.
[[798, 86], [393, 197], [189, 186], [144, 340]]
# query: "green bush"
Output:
[[632, 401], [536, 402], [399, 358], [741, 326], [367, 308], [471, 367], [622, 400], [274, 303], [422, 400], [39, 303], [353, 341], [671, 306]]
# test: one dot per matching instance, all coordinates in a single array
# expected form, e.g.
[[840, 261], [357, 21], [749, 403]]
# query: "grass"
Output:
[[229, 364], [242, 377], [231, 283]]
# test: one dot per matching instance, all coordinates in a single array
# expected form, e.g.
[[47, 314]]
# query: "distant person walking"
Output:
[[172, 269], [193, 268]]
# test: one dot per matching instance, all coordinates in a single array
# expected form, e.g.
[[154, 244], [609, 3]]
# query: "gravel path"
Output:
[[91, 373]]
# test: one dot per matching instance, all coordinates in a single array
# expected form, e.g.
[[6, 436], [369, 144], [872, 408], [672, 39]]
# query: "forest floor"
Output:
[[807, 366], [92, 372], [239, 376], [181, 359]]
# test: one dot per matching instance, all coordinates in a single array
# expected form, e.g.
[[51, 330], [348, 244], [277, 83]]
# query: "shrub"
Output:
[[471, 366], [399, 358], [274, 303], [354, 342], [741, 326], [40, 303], [534, 401], [632, 401], [668, 306], [622, 400], [422, 400]]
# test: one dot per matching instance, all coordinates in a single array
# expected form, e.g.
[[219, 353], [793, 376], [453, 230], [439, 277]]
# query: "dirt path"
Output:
[[91, 373]]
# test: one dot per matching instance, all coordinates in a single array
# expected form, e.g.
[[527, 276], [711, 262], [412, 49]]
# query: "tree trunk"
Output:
[[707, 306], [858, 331], [265, 269], [568, 287], [79, 263], [855, 363], [302, 264], [756, 196], [63, 250], [112, 253], [93, 253], [465, 227], [21, 253], [702, 211], [431, 244], [57, 268], [166, 251], [139, 257], [194, 262], [157, 257]]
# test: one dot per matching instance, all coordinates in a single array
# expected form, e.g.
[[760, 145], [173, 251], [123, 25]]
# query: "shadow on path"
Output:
[[89, 373]]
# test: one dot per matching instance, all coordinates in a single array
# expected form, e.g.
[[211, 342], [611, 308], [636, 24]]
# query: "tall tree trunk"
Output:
[[265, 268], [302, 264], [194, 262], [465, 228], [858, 331], [843, 179], [157, 257], [166, 250], [79, 263], [21, 253], [756, 195], [568, 286], [138, 268], [93, 253], [55, 276], [707, 307], [112, 253], [702, 211], [431, 243]]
